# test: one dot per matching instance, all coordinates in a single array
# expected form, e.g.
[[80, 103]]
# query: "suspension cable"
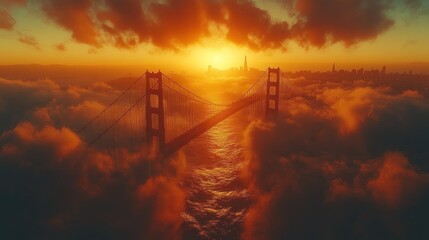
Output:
[[254, 84], [196, 100], [111, 104], [119, 119], [186, 90], [296, 94]]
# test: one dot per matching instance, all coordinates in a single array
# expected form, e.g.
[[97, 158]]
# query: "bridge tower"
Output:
[[155, 129], [273, 92]]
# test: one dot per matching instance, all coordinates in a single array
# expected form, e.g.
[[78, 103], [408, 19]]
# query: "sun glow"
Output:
[[221, 59], [218, 58]]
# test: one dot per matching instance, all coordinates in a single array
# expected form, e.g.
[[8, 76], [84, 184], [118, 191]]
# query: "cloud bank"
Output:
[[7, 22], [173, 24], [347, 161], [53, 186], [351, 165]]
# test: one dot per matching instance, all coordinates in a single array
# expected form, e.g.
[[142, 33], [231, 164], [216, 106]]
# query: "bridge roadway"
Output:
[[180, 141]]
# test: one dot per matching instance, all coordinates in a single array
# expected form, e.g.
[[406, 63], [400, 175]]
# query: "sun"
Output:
[[222, 58], [218, 58]]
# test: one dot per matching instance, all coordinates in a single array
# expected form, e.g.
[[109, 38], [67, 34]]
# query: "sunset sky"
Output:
[[194, 34], [95, 143]]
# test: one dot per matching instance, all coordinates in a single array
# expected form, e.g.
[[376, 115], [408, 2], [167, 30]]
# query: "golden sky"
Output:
[[193, 34]]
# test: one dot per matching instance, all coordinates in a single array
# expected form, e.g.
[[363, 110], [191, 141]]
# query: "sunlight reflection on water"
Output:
[[216, 196]]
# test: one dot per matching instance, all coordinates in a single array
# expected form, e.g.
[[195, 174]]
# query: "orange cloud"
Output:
[[60, 187], [397, 182], [13, 2], [63, 188], [29, 40], [353, 107], [173, 24], [74, 16], [167, 201], [331, 168], [251, 26], [61, 47], [6, 20], [62, 142]]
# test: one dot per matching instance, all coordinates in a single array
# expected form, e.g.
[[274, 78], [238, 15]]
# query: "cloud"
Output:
[[6, 20], [176, 24], [251, 26], [58, 142], [181, 23], [124, 21], [337, 199], [353, 166], [172, 24], [417, 7], [14, 108], [342, 166], [320, 23], [74, 16], [397, 181], [353, 107], [29, 40], [9, 3], [164, 197], [54, 186], [61, 47]]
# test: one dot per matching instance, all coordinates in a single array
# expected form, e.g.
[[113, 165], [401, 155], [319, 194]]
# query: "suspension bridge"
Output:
[[156, 114]]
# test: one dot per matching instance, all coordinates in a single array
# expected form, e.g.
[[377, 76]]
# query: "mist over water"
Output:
[[216, 196]]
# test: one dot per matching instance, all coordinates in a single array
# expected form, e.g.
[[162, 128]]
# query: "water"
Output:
[[216, 196]]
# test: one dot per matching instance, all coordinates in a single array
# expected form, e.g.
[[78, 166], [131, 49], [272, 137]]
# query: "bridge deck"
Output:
[[201, 128]]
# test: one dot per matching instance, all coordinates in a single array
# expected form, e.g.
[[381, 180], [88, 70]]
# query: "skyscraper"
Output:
[[245, 64]]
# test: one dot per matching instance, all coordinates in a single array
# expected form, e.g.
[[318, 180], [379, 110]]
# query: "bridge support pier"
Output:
[[273, 93], [155, 129]]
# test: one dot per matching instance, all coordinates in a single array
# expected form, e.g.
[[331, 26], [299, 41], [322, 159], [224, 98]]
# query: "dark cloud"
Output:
[[14, 108], [174, 24], [12, 2], [355, 167], [61, 47], [181, 23], [124, 21], [168, 24], [417, 6], [29, 40], [53, 186], [251, 26], [75, 16], [6, 20], [329, 21]]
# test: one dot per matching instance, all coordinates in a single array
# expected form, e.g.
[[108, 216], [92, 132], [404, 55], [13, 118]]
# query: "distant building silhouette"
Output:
[[245, 68], [333, 68]]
